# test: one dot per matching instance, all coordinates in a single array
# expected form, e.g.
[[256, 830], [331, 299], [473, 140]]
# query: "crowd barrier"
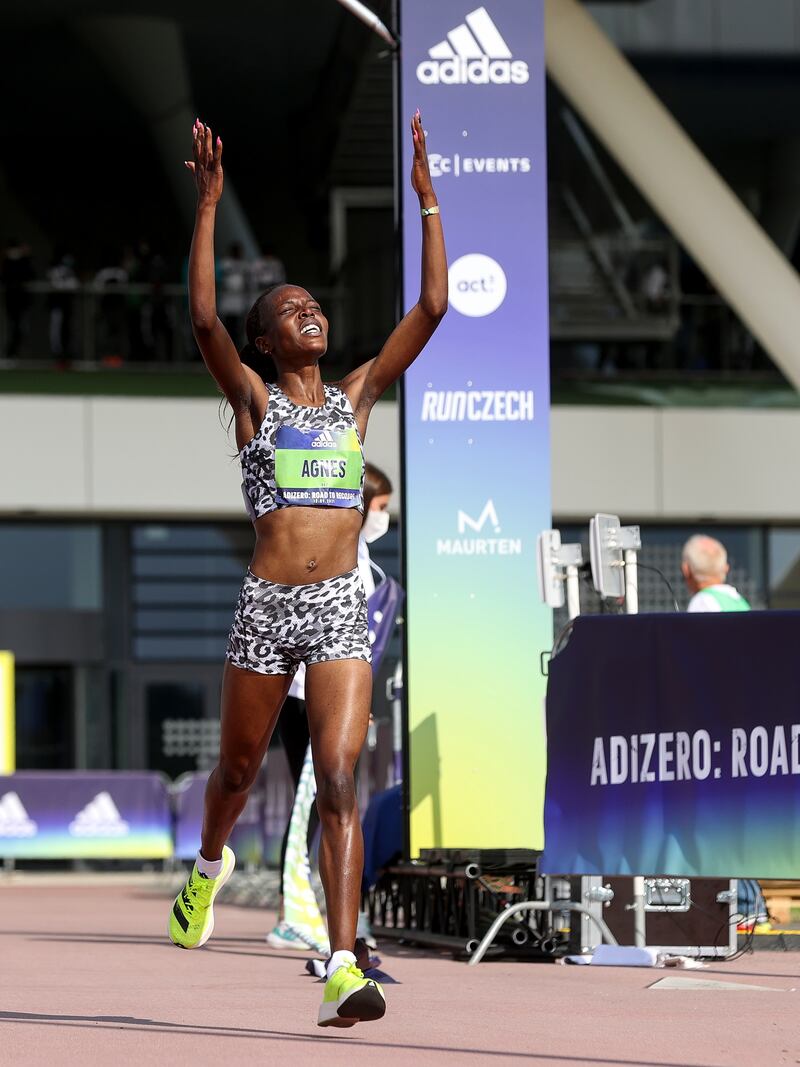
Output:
[[120, 815], [79, 815], [258, 831], [85, 815]]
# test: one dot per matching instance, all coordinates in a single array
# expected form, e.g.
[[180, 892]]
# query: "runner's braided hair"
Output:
[[256, 325]]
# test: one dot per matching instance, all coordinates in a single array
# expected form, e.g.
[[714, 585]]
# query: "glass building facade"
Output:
[[119, 628]]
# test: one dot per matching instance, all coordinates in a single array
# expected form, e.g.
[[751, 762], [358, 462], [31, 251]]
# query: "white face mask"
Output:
[[375, 525]]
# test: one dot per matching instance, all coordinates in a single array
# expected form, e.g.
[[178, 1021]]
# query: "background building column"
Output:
[[146, 58], [680, 183]]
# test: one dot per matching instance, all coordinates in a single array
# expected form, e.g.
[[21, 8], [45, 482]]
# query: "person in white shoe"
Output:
[[705, 568], [302, 601]]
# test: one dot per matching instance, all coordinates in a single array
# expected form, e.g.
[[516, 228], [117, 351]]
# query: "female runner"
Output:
[[302, 599]]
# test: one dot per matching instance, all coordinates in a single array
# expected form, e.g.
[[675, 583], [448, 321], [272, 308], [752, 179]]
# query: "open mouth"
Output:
[[311, 329]]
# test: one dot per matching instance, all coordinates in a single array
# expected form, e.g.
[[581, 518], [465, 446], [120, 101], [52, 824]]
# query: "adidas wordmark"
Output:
[[325, 439], [473, 53]]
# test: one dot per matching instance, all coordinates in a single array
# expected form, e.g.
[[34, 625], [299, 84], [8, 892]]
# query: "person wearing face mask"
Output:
[[294, 734]]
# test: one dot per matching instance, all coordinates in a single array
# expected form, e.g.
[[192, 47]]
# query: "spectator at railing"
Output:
[[654, 288], [64, 282], [233, 291], [149, 320], [111, 343], [15, 273], [266, 270]]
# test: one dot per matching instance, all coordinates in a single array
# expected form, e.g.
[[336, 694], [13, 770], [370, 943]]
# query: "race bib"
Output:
[[318, 467]]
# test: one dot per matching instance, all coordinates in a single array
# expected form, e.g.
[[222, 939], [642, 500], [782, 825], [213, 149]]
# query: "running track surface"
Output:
[[88, 977]]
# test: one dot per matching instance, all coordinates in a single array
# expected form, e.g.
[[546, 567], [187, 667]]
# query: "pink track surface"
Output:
[[87, 976]]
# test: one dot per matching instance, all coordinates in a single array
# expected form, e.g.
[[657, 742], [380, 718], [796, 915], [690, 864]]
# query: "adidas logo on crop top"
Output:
[[304, 456]]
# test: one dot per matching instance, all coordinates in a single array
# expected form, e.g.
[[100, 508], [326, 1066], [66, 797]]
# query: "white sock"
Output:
[[342, 958], [209, 868]]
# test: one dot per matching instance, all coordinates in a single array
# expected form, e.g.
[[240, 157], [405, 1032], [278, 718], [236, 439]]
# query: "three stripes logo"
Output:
[[473, 53], [100, 818], [14, 819], [325, 439]]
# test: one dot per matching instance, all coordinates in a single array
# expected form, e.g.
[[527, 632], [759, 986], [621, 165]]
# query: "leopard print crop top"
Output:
[[304, 456]]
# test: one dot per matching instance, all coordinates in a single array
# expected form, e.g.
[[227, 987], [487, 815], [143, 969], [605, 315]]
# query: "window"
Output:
[[185, 581], [50, 565], [784, 569], [44, 720]]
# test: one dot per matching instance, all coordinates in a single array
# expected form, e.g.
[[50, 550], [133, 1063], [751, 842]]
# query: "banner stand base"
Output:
[[450, 898]]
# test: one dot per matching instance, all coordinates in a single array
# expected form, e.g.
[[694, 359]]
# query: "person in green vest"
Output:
[[705, 567]]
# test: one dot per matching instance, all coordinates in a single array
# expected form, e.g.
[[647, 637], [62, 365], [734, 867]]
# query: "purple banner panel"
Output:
[[248, 838], [84, 815], [476, 419], [674, 747], [382, 610]]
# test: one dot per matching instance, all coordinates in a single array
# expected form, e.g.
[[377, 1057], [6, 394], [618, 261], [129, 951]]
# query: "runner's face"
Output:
[[297, 326]]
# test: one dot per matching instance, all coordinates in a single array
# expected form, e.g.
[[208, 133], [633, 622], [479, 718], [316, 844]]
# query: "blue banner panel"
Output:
[[248, 838], [83, 815], [674, 747], [476, 422]]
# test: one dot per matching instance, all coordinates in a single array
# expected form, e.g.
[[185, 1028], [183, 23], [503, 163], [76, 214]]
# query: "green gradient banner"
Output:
[[476, 421]]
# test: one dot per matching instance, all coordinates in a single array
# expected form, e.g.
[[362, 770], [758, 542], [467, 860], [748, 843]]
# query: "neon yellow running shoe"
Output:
[[351, 998], [191, 921]]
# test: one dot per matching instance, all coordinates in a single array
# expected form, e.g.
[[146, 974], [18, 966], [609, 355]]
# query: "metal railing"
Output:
[[120, 324], [609, 312], [613, 287]]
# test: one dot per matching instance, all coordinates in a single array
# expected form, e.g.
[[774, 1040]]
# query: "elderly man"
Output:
[[705, 567]]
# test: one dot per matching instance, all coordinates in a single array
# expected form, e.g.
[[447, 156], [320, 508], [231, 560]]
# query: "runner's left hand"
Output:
[[420, 172]]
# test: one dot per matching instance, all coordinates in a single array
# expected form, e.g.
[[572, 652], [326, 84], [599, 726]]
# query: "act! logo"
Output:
[[488, 543], [474, 53], [478, 285]]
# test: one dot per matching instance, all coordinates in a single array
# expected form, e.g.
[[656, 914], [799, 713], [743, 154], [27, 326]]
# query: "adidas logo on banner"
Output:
[[100, 818], [474, 53], [324, 440], [14, 819]]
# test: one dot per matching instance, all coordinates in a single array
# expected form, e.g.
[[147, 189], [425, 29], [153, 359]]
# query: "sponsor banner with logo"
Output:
[[674, 747], [476, 421], [81, 815]]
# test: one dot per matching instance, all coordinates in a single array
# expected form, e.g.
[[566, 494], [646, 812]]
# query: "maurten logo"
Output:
[[14, 819], [100, 818], [479, 546], [473, 53]]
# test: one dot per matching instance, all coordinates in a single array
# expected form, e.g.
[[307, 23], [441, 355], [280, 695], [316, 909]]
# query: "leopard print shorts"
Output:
[[276, 627]]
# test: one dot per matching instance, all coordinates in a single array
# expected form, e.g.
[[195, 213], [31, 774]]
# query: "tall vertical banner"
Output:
[[476, 428]]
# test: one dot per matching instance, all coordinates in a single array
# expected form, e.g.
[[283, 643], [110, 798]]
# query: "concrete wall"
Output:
[[102, 456], [132, 456]]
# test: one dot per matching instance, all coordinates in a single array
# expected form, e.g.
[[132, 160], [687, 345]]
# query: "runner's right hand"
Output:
[[206, 164]]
